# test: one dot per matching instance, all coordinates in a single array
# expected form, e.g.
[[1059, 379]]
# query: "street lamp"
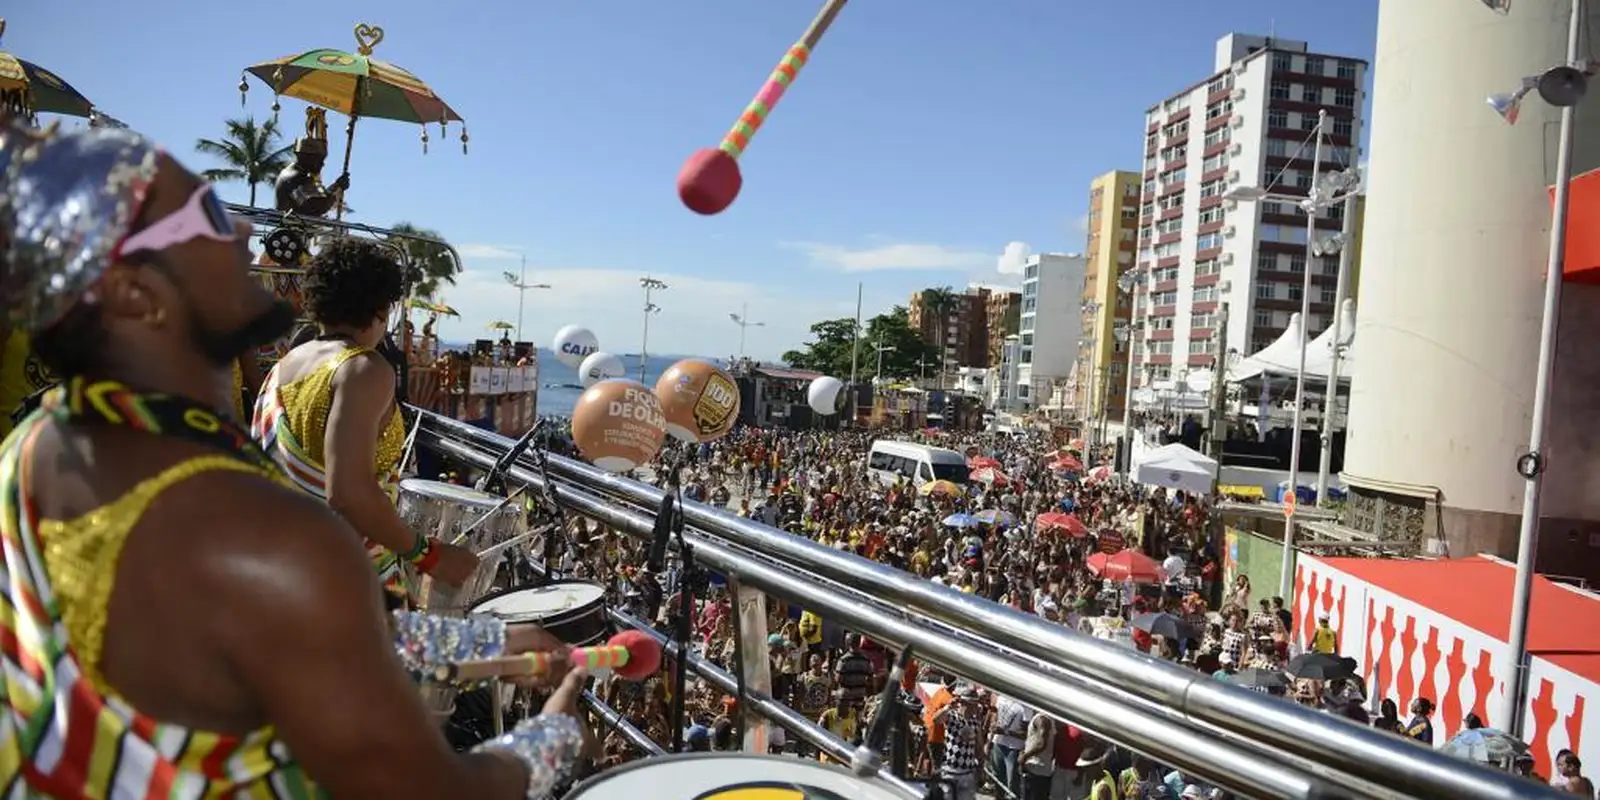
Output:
[[1561, 86], [519, 282], [1128, 283], [1086, 367], [650, 286], [742, 319], [881, 349]]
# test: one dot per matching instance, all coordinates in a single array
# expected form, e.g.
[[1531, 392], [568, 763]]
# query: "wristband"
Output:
[[429, 558], [549, 745], [419, 548]]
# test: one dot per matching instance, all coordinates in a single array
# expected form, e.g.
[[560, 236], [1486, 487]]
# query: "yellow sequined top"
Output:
[[308, 400]]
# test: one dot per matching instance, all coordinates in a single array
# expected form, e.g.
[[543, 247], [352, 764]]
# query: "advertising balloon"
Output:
[[573, 344], [699, 399], [826, 395], [600, 366], [618, 425]]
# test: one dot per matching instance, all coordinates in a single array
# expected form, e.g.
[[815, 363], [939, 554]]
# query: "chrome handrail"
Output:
[[1337, 749]]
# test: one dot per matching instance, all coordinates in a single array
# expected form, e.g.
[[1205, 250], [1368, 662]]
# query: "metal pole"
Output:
[[1528, 536], [1286, 581], [1127, 396], [522, 293], [744, 320], [1330, 407], [1219, 387], [855, 352]]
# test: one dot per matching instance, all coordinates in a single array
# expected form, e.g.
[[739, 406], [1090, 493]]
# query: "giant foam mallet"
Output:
[[634, 655], [710, 179]]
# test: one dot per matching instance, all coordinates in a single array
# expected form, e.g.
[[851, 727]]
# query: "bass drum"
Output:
[[572, 611], [444, 511], [729, 776]]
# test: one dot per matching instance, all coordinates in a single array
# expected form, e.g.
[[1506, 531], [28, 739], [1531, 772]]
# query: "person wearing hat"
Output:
[[1094, 770], [961, 717], [1324, 639], [698, 737], [252, 660]]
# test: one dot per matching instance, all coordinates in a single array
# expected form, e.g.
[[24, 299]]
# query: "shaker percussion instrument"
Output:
[[572, 611], [728, 776]]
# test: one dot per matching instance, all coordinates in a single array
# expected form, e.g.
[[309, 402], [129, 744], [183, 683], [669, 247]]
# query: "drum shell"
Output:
[[580, 625], [689, 776]]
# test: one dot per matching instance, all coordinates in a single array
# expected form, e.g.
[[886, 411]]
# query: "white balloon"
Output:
[[573, 344], [600, 367], [823, 395]]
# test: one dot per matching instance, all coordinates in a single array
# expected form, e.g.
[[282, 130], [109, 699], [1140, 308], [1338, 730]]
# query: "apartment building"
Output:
[[1049, 325], [1004, 313], [1100, 381], [1249, 123], [955, 322]]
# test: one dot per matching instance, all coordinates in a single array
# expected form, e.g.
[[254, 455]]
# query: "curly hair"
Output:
[[351, 282]]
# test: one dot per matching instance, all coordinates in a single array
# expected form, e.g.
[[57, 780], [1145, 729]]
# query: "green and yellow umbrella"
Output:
[[501, 325], [423, 304], [31, 89]]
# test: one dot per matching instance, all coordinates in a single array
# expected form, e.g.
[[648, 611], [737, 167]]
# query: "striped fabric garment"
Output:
[[61, 737], [271, 429]]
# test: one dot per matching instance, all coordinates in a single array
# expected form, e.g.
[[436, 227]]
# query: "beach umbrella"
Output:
[[32, 89], [959, 521], [981, 462], [990, 476], [1169, 626], [940, 487], [1055, 520], [1258, 678], [1127, 565], [1319, 667], [1065, 463], [996, 517], [356, 85], [1099, 474], [1485, 746]]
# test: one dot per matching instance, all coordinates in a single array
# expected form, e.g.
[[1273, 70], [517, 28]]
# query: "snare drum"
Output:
[[729, 776], [572, 611], [443, 511]]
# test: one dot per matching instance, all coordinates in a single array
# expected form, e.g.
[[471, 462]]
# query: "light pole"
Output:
[[520, 283], [1128, 283], [1347, 182], [1087, 368], [1310, 206], [877, 374], [650, 286], [1562, 86], [742, 319]]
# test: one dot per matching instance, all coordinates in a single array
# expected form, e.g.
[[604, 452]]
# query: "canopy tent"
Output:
[[1176, 466], [1281, 351], [1283, 355]]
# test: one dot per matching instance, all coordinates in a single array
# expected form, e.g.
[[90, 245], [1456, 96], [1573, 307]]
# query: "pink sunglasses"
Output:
[[203, 216]]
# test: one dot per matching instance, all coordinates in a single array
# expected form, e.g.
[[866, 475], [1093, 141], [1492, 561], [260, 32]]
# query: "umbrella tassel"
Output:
[[244, 89], [464, 139], [424, 138]]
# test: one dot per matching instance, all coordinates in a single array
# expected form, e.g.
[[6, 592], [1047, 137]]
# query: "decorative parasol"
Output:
[[501, 325], [356, 85], [422, 304], [31, 89]]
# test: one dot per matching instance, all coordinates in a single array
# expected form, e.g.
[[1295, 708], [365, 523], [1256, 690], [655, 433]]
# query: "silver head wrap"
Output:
[[67, 200]]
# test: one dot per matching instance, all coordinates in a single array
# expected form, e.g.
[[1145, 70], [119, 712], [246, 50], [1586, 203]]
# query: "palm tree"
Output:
[[428, 260], [250, 153], [940, 302]]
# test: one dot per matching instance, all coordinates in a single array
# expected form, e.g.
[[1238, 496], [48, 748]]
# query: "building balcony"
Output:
[[1169, 261], [1218, 121]]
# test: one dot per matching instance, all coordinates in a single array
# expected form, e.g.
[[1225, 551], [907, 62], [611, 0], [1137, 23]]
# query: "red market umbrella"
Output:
[[990, 476], [1055, 520], [1066, 463], [979, 462], [1127, 565]]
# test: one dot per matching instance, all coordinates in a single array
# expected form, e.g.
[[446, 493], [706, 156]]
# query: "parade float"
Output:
[[493, 387]]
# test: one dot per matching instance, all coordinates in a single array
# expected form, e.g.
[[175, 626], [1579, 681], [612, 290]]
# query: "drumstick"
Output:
[[477, 523], [496, 548], [634, 655]]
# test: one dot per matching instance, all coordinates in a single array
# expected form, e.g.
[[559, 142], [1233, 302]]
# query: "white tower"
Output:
[[1452, 275]]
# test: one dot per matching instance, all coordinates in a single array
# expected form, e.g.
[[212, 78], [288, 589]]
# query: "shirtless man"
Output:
[[191, 589]]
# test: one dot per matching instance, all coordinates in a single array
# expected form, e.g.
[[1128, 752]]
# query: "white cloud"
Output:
[[903, 256], [1014, 258], [485, 251]]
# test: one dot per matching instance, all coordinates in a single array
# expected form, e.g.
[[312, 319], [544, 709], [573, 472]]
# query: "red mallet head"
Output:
[[644, 655], [709, 181]]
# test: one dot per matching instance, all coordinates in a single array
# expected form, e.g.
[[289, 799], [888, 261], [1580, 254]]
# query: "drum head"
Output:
[[438, 490], [729, 776], [542, 602]]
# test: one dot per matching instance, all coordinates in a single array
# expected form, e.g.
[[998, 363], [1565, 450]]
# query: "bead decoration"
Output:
[[427, 643], [548, 744]]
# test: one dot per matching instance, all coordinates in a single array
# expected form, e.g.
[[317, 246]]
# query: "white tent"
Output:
[[1282, 357], [1176, 466], [1283, 350]]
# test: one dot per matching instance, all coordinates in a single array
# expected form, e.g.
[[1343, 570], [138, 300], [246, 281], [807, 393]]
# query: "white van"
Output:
[[889, 461]]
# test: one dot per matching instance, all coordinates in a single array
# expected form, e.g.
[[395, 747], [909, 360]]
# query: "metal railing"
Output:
[[1243, 741]]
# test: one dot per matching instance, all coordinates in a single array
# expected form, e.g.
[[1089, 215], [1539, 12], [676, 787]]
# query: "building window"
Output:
[[1294, 291], [1263, 318], [1277, 148], [1218, 136], [1329, 295], [1347, 70], [1218, 109], [1343, 127], [1267, 262], [1308, 122], [1313, 66], [1199, 347], [1214, 187], [1205, 294], [1310, 94], [1218, 84], [1214, 163], [1277, 119], [1282, 62], [1212, 214], [1344, 97], [1297, 263], [1207, 267], [1264, 291], [1170, 225], [1330, 265], [1280, 90], [1206, 241], [1200, 321], [1129, 214]]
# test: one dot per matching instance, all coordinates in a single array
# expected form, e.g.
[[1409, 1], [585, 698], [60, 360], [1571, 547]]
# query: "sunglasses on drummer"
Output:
[[202, 216]]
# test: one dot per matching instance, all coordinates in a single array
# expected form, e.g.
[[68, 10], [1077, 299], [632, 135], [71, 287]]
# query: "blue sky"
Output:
[[923, 137]]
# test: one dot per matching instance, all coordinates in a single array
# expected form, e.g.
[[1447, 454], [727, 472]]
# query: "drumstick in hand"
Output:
[[634, 655]]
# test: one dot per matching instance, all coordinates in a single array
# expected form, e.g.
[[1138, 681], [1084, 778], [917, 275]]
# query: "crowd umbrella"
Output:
[[1258, 678], [356, 85], [959, 521], [1167, 626], [996, 517], [1319, 667], [990, 476], [940, 487], [1485, 746], [30, 89], [1055, 520], [1127, 565]]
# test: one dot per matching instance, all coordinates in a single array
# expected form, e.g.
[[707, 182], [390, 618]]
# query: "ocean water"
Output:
[[556, 398]]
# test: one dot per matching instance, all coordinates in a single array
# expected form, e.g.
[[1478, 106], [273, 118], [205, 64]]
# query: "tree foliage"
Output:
[[428, 261], [251, 153], [905, 355]]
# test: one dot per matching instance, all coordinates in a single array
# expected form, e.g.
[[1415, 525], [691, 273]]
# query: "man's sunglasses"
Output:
[[201, 217]]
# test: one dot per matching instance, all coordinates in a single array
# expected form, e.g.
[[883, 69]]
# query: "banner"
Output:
[[479, 381]]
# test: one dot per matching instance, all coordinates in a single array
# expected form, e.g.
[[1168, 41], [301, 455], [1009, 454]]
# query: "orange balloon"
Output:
[[618, 425], [699, 399]]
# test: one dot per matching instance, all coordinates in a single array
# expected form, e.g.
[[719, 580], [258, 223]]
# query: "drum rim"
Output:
[[594, 606], [489, 500], [642, 763]]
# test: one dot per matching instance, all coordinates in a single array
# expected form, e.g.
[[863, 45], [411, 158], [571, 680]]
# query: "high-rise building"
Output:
[[955, 322], [1003, 313], [1050, 324], [1113, 224], [1249, 123]]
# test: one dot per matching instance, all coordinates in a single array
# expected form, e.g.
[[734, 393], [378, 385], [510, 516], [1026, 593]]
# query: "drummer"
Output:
[[205, 629], [327, 410]]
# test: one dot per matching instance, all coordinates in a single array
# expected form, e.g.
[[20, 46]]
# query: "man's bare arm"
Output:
[[312, 645]]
